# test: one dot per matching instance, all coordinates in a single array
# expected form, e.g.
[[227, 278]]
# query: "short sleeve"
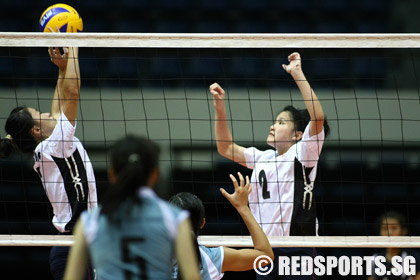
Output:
[[309, 147], [173, 217], [252, 155], [61, 140], [212, 258]]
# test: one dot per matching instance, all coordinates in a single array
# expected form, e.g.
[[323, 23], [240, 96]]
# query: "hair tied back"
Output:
[[134, 158]]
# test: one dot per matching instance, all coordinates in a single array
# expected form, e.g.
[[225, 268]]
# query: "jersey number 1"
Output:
[[262, 179]]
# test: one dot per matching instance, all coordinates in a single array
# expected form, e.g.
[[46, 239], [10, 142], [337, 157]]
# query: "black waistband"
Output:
[[65, 233]]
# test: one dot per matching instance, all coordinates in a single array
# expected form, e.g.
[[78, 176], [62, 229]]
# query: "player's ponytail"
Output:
[[18, 126], [195, 207], [133, 160], [6, 146]]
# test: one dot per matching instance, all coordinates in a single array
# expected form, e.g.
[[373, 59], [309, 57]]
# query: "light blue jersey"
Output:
[[211, 263], [141, 243]]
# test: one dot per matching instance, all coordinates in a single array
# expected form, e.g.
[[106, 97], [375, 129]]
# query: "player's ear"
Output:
[[203, 224], [298, 136], [111, 175], [154, 177], [36, 132]]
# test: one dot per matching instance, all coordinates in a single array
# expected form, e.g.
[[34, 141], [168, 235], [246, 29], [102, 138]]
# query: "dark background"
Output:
[[350, 194]]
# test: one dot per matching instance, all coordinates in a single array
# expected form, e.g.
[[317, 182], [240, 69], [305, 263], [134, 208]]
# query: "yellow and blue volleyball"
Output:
[[63, 16]]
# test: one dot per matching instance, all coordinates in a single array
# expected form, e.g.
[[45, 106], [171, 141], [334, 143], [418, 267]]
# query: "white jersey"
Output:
[[282, 197], [67, 174]]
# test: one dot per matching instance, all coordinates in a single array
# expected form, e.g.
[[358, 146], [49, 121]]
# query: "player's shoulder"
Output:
[[175, 209], [163, 204], [268, 153], [211, 251]]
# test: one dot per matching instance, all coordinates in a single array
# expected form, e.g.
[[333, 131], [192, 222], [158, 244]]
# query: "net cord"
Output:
[[243, 241], [211, 40]]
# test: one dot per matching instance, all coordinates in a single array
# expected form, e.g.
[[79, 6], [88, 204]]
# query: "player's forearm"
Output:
[[71, 81], [309, 96], [55, 106], [71, 87], [259, 239], [224, 139]]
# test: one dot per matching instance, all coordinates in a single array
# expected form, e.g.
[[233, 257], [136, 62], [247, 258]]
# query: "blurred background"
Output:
[[369, 164]]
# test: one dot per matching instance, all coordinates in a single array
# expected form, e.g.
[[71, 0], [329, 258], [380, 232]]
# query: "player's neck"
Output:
[[390, 252], [283, 149]]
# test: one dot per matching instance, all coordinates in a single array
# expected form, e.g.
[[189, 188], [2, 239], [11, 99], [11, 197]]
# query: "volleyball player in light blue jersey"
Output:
[[214, 261], [133, 234]]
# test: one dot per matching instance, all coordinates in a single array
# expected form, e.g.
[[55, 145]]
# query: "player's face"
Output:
[[282, 132], [44, 121], [391, 227]]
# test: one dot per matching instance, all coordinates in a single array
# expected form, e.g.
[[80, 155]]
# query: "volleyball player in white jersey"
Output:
[[282, 179], [214, 261], [61, 161], [133, 234]]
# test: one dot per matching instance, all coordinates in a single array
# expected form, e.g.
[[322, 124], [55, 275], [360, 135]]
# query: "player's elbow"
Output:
[[72, 94], [266, 251], [319, 118], [318, 123], [269, 253], [221, 150], [225, 151]]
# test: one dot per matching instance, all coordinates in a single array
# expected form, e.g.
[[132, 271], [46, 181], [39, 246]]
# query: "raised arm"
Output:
[[312, 103], [224, 140], [60, 60], [66, 94], [240, 260]]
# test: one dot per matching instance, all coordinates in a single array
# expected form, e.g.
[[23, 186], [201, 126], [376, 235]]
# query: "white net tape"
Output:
[[243, 241], [210, 40]]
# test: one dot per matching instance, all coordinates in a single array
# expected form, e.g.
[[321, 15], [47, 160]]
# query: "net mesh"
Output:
[[157, 85]]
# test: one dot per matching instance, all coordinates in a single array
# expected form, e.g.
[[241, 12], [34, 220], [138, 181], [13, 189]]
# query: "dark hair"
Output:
[[18, 125], [301, 119], [392, 214], [195, 207], [133, 159], [192, 204]]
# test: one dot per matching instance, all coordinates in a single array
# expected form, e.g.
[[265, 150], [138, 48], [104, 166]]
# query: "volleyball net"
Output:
[[156, 85]]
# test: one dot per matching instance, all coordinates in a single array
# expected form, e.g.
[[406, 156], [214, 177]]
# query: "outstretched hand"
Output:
[[239, 198], [58, 58], [295, 63]]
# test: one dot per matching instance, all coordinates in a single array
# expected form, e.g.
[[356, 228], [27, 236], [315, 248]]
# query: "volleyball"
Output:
[[63, 16]]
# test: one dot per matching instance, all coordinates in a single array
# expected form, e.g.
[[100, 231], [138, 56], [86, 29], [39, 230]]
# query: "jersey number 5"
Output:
[[262, 179], [127, 258]]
